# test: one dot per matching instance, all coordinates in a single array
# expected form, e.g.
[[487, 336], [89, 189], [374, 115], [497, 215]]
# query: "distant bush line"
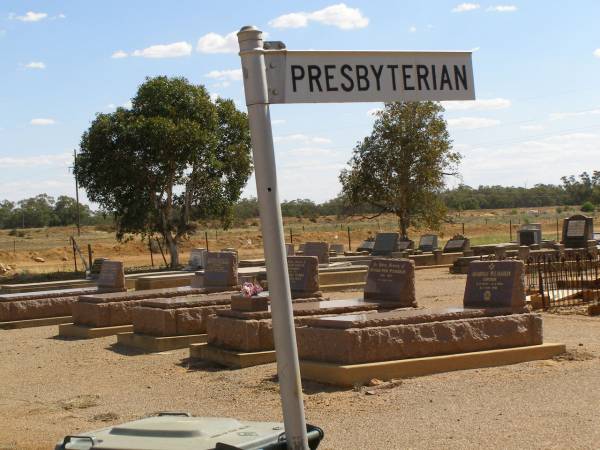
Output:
[[44, 211]]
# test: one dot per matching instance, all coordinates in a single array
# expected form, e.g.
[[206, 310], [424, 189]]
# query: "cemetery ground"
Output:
[[53, 387], [19, 248]]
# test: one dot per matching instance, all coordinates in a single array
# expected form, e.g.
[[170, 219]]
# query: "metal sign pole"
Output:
[[288, 368]]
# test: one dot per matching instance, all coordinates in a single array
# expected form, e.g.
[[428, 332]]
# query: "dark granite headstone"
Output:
[[366, 246], [385, 244], [112, 276], [527, 237], [391, 280], [318, 249], [405, 244], [457, 244], [495, 284], [577, 231], [428, 243], [221, 269], [304, 274]]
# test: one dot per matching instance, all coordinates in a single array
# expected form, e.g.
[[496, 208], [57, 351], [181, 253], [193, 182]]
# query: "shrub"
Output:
[[588, 207]]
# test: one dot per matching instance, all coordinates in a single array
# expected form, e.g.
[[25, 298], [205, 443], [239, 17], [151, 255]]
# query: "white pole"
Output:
[[288, 368]]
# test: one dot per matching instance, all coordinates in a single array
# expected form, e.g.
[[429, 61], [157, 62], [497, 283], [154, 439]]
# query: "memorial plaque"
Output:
[[304, 274], [391, 280], [428, 243], [577, 231], [457, 244], [197, 258], [366, 246], [220, 270], [318, 249], [385, 244], [112, 275], [495, 284]]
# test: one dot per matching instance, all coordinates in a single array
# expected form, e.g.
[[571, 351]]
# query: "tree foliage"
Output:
[[173, 158], [400, 167]]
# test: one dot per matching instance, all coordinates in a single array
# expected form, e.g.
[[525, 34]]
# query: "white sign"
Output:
[[368, 76]]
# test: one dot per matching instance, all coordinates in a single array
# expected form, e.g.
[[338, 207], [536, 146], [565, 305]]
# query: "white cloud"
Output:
[[42, 122], [502, 8], [29, 16], [216, 43], [566, 115], [412, 29], [36, 160], [311, 151], [174, 50], [128, 104], [477, 105], [225, 75], [472, 123], [119, 54], [597, 53], [214, 96], [302, 138], [531, 127], [35, 65], [292, 20], [339, 15], [463, 7]]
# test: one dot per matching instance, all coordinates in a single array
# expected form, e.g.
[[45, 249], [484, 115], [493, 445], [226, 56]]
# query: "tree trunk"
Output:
[[173, 250], [403, 222]]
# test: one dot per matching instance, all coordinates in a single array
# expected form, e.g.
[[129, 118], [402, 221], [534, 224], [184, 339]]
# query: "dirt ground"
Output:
[[52, 387]]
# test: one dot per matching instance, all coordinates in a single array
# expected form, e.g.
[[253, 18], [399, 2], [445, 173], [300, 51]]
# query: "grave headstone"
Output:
[[385, 244], [577, 231], [301, 248], [391, 280], [197, 258], [457, 244], [289, 249], [405, 245], [318, 249], [221, 269], [366, 246], [337, 248], [428, 243], [96, 267], [495, 284], [112, 276], [304, 275]]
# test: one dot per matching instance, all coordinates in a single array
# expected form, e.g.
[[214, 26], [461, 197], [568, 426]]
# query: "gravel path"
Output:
[[52, 387]]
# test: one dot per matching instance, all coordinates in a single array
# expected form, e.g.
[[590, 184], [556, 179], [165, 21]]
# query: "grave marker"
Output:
[[385, 244], [391, 280], [428, 242], [577, 230], [495, 284], [221, 269], [197, 258], [318, 249], [303, 273], [112, 275], [457, 244]]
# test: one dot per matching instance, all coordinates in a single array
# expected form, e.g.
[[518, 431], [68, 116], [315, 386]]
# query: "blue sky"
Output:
[[536, 67]]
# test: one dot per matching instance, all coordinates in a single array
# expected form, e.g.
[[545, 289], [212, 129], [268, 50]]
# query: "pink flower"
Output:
[[251, 289]]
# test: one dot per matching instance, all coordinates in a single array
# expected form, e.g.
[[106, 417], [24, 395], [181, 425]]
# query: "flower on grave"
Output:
[[251, 289]]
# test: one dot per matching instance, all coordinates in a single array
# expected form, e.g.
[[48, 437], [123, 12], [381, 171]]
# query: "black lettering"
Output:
[[445, 78], [392, 67], [406, 77], [295, 76], [377, 75], [460, 76], [362, 77], [422, 73], [314, 73], [329, 77], [433, 77], [344, 70]]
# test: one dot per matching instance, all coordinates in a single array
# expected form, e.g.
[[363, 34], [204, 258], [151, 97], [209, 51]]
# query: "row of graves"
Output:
[[384, 334], [577, 238]]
